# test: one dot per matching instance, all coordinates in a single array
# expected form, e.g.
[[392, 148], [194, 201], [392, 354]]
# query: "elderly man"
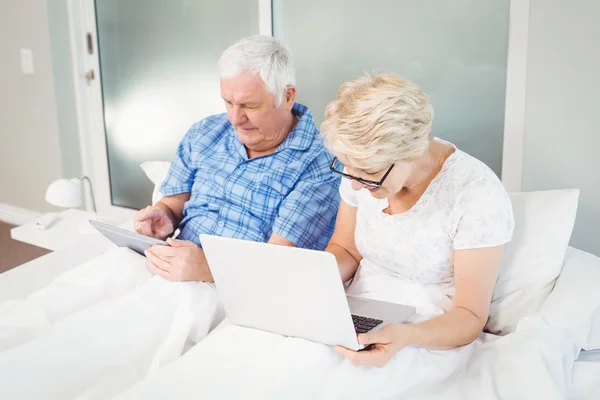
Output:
[[259, 172]]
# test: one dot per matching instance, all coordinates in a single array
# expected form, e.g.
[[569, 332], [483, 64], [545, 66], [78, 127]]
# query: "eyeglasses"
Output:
[[366, 182]]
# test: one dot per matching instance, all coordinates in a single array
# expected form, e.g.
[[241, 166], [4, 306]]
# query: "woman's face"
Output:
[[394, 182]]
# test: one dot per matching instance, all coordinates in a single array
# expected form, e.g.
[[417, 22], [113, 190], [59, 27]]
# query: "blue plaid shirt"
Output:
[[291, 192]]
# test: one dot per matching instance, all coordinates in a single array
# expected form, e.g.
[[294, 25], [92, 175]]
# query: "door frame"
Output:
[[516, 95], [88, 94], [90, 113]]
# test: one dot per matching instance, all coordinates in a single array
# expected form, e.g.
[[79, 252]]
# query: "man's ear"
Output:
[[289, 96]]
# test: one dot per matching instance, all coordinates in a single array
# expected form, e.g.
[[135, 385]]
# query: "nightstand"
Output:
[[71, 228]]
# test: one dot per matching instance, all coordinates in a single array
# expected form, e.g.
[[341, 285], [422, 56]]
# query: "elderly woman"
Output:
[[420, 223], [419, 219]]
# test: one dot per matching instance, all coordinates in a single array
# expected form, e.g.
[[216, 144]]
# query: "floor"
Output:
[[12, 252]]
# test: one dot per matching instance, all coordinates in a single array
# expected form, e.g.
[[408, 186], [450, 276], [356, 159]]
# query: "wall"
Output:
[[562, 132], [39, 142], [30, 154]]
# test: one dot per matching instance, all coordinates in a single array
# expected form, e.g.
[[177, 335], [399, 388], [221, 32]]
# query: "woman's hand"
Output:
[[386, 343], [458, 327]]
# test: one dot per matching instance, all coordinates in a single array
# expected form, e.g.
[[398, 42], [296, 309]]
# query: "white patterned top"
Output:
[[410, 255]]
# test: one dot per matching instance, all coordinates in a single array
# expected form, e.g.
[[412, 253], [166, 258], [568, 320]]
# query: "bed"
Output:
[[119, 332], [170, 376]]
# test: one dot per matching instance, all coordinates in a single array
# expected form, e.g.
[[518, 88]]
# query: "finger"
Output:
[[150, 213], [145, 228], [180, 243], [158, 271], [351, 355], [143, 215], [345, 352], [374, 357], [369, 338], [159, 262], [165, 252], [373, 337], [163, 231], [140, 220]]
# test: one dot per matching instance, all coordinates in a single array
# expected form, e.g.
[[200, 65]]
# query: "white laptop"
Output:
[[292, 292]]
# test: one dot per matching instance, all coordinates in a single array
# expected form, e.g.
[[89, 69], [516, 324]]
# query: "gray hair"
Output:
[[262, 55]]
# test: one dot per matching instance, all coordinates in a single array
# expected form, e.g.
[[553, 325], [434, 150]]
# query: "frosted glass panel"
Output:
[[454, 49], [159, 75]]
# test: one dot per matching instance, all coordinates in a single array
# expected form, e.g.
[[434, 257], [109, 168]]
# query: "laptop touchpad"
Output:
[[356, 303]]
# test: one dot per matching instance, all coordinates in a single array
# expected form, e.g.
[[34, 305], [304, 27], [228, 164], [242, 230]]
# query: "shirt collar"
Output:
[[300, 138], [303, 134]]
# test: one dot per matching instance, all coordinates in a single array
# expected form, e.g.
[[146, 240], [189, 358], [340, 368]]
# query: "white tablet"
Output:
[[124, 238]]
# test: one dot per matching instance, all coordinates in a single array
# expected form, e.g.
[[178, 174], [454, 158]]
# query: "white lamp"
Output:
[[68, 193]]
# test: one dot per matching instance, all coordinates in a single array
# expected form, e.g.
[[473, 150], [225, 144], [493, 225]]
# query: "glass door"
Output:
[[158, 64]]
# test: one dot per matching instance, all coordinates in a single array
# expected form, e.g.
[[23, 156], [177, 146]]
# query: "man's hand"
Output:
[[153, 222], [181, 261], [386, 343]]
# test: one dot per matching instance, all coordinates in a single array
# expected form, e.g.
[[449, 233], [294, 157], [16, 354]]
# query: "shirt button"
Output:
[[221, 224], [242, 167]]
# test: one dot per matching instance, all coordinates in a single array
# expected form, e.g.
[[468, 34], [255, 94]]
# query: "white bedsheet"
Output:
[[99, 328], [108, 324], [20, 282], [234, 362], [585, 383]]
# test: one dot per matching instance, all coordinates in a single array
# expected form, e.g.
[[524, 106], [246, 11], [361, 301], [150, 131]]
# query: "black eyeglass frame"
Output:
[[366, 182]]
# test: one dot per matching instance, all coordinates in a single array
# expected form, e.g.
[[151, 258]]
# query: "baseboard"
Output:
[[16, 215]]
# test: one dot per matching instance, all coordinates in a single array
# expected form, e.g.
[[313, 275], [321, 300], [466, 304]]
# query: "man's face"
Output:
[[251, 109]]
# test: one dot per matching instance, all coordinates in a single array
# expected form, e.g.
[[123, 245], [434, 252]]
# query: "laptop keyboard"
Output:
[[364, 324]]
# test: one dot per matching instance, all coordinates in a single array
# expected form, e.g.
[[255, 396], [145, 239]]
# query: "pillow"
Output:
[[533, 259], [593, 340], [575, 299], [156, 171]]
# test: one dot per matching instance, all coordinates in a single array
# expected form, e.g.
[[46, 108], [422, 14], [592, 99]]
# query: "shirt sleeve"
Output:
[[180, 177], [308, 212], [348, 194], [485, 216]]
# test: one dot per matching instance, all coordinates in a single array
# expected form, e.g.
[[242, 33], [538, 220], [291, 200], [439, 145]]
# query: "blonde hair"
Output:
[[378, 120]]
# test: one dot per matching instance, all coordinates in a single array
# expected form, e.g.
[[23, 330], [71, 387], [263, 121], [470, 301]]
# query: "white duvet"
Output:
[[109, 328], [98, 329], [236, 363]]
